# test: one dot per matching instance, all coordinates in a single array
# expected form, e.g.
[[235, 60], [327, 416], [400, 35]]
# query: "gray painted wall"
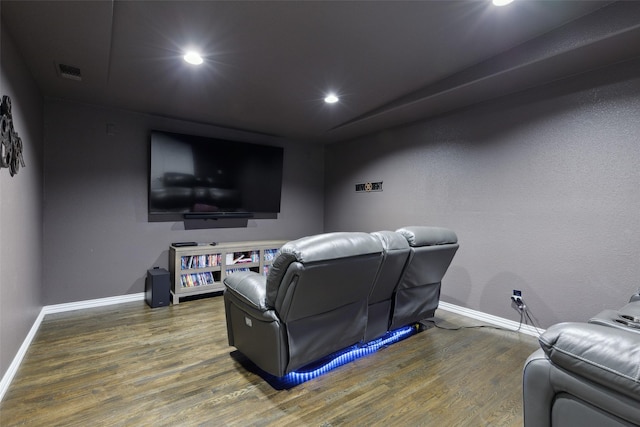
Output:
[[98, 242], [20, 209], [541, 187]]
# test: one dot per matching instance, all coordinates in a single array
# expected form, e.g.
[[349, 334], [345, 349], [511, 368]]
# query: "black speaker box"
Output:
[[157, 288]]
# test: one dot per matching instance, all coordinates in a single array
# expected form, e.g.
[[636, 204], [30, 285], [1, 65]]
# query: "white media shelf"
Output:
[[201, 269]]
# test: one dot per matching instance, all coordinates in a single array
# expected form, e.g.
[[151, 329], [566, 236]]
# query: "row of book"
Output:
[[214, 260], [198, 279], [270, 254], [200, 261], [210, 277]]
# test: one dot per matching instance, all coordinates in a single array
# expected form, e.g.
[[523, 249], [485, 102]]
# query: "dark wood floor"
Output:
[[129, 365]]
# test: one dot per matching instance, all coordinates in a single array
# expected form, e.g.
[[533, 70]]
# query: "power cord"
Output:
[[457, 328], [531, 318]]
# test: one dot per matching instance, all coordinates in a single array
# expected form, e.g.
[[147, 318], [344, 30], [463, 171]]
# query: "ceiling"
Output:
[[269, 64]]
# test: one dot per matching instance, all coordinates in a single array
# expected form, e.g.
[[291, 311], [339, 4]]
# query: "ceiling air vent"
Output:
[[69, 72]]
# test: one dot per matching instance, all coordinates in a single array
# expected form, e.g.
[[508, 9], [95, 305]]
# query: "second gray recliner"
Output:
[[327, 292]]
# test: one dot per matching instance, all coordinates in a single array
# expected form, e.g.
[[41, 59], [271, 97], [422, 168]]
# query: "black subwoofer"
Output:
[[157, 287]]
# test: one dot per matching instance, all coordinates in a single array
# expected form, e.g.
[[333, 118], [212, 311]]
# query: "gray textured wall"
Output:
[[541, 187], [20, 210], [98, 242]]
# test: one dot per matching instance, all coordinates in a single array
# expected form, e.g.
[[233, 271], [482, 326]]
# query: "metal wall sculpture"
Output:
[[10, 142]]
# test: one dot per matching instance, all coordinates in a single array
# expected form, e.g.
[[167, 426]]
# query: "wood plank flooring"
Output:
[[129, 365]]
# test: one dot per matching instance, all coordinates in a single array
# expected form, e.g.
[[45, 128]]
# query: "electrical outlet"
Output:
[[517, 298]]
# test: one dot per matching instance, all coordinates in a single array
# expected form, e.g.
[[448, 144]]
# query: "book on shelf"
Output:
[[270, 254], [188, 262], [197, 279]]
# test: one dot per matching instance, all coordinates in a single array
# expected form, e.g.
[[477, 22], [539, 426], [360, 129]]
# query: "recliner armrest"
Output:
[[607, 356], [249, 287], [538, 392]]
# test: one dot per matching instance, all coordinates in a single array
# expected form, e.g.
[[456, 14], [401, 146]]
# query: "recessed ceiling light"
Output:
[[193, 57], [501, 2], [331, 99]]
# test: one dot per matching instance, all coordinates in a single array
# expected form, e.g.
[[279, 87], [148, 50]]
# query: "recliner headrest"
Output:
[[428, 236], [321, 247], [331, 246], [391, 240]]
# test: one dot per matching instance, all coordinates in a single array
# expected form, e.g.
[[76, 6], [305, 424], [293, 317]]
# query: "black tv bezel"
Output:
[[217, 215], [233, 217]]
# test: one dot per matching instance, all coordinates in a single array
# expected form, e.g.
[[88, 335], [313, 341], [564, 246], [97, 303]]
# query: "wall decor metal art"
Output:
[[10, 142], [368, 187]]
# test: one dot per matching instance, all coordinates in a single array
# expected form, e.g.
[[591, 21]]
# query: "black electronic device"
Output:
[[157, 288], [194, 177], [181, 244]]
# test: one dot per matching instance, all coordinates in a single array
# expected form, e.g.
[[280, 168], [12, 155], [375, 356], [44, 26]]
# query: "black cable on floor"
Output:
[[457, 328]]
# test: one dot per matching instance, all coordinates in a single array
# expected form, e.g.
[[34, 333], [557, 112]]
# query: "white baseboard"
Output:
[[491, 319], [57, 308], [81, 305], [17, 360]]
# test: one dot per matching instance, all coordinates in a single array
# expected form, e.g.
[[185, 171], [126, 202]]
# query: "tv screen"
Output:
[[200, 177]]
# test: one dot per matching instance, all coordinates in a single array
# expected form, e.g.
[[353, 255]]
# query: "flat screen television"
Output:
[[200, 177]]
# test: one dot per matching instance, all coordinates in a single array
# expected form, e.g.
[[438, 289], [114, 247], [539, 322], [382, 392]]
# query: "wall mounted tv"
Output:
[[194, 177]]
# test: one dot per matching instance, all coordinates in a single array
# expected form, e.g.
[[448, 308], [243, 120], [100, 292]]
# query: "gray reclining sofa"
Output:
[[586, 374], [330, 291]]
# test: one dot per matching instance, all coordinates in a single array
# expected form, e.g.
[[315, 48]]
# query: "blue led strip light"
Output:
[[348, 355]]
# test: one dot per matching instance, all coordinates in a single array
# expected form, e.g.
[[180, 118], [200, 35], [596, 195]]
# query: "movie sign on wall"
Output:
[[368, 187]]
